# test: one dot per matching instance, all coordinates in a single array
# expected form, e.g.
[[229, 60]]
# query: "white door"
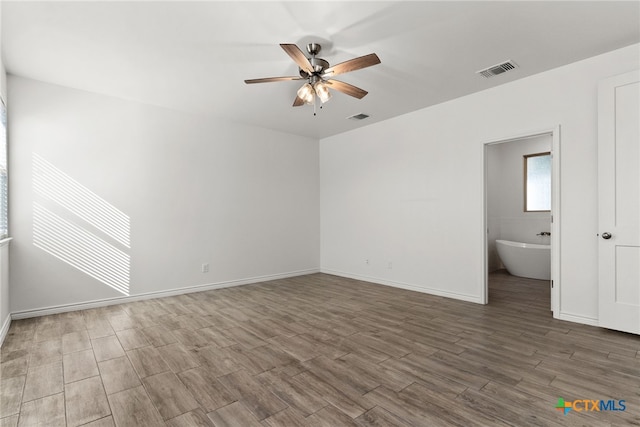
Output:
[[619, 202]]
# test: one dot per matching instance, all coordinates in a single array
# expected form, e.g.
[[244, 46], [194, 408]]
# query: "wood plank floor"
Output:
[[317, 350]]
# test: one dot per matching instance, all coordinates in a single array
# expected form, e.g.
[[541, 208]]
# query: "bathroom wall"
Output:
[[506, 218]]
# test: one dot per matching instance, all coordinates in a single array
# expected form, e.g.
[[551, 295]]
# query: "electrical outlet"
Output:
[[366, 261], [390, 265], [205, 268]]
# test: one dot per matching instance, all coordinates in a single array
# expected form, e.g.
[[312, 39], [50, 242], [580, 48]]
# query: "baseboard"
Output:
[[407, 286], [578, 319], [45, 311], [5, 329]]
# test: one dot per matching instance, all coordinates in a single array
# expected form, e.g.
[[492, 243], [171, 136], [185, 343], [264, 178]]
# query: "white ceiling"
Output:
[[194, 56]]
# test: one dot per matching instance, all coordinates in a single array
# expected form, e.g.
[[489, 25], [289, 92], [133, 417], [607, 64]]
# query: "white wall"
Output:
[[406, 193], [410, 190], [244, 199], [506, 218]]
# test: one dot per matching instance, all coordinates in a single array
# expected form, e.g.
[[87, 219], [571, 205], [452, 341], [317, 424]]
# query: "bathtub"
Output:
[[525, 259]]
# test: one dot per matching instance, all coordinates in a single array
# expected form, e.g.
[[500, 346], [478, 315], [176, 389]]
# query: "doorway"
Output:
[[508, 212]]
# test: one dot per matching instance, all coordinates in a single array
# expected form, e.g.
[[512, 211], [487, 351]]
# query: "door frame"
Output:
[[555, 212]]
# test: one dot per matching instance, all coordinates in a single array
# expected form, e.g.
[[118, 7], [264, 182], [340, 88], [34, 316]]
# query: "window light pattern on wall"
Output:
[[75, 225], [80, 249], [54, 184]]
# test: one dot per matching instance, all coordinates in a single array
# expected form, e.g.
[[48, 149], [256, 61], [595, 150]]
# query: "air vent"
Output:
[[360, 116], [498, 69]]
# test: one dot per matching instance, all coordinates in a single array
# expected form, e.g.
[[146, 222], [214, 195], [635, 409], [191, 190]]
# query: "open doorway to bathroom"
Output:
[[522, 221]]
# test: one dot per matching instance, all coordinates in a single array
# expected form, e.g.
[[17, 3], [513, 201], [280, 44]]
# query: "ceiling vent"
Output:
[[498, 69], [360, 116]]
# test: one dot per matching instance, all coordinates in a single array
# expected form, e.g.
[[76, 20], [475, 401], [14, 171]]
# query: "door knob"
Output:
[[606, 235]]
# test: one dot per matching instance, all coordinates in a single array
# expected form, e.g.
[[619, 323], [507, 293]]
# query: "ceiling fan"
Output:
[[319, 75]]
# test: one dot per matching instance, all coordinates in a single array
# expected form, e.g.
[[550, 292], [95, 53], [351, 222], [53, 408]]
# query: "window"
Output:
[[3, 172], [537, 182]]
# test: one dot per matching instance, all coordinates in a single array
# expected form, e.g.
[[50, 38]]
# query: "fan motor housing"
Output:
[[318, 64]]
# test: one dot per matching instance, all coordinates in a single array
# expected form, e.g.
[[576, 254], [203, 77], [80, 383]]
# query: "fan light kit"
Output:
[[319, 75]]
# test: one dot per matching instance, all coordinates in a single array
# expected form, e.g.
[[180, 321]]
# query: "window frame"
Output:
[[4, 170], [526, 158]]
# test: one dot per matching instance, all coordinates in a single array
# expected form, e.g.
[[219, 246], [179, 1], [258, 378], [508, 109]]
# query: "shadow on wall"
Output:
[[78, 243]]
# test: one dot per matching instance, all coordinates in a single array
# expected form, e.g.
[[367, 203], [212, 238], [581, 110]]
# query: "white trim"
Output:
[[555, 212], [520, 136], [158, 294], [484, 291], [5, 329], [578, 319], [555, 225], [407, 286], [5, 241]]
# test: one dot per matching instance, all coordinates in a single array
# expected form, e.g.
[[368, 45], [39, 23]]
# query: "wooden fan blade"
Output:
[[298, 56], [352, 65], [272, 79], [298, 102], [348, 89]]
